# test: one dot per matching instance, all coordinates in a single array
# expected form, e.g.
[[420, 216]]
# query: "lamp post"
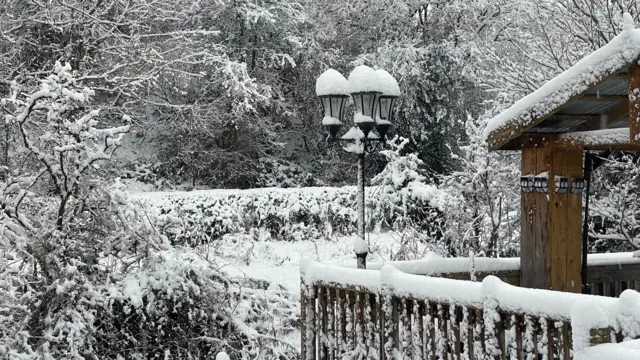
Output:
[[373, 94]]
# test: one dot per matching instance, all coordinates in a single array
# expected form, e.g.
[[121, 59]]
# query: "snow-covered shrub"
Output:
[[278, 173], [146, 173], [399, 200], [404, 197], [181, 306], [85, 274]]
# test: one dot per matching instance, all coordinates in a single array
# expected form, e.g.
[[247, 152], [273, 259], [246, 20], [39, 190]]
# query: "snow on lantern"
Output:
[[390, 92], [332, 89]]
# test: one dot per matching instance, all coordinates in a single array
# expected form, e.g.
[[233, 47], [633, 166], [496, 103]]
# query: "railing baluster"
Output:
[[419, 343], [606, 289], [442, 332], [351, 321], [520, 329], [618, 287], [332, 323], [371, 321], [456, 320], [407, 344], [464, 333], [501, 333], [341, 336], [359, 322], [480, 344], [471, 325], [432, 312], [322, 326]]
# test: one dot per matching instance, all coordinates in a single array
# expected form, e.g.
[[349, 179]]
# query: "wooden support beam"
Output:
[[550, 238], [634, 104]]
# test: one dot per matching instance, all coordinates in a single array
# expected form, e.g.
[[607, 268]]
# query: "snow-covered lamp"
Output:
[[365, 88], [541, 183], [332, 89], [562, 184], [390, 92], [577, 185]]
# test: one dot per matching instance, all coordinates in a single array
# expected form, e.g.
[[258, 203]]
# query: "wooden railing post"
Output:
[[590, 325]]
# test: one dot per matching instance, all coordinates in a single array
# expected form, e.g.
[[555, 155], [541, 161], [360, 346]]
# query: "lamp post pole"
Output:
[[361, 252], [373, 94]]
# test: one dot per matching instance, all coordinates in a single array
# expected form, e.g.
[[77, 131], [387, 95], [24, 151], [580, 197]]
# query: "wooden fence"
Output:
[[361, 314]]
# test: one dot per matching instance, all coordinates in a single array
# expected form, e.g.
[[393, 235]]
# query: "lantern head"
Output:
[[541, 183], [386, 101], [577, 185], [364, 87], [332, 89], [561, 184], [526, 184]]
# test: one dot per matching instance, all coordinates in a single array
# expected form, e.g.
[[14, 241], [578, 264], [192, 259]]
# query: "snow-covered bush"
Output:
[[85, 274], [403, 196], [293, 214]]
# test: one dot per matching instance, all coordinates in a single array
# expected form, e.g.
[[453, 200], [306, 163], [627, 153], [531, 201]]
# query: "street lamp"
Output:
[[373, 94]]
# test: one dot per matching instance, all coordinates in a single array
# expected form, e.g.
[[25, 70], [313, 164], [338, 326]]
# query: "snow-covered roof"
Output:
[[331, 82], [622, 51], [588, 139], [364, 79]]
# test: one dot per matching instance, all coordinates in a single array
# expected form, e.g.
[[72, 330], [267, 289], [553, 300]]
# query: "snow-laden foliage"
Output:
[[86, 274], [615, 208], [293, 214], [486, 220], [406, 200]]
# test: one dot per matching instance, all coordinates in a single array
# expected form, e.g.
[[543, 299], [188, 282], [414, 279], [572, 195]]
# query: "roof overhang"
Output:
[[590, 97]]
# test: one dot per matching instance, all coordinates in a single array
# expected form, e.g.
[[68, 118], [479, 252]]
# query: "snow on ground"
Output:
[[278, 262]]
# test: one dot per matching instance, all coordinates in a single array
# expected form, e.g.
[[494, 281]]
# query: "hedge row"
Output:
[[288, 214]]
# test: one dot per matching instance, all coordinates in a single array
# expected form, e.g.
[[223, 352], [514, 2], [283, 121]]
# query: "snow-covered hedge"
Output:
[[287, 214]]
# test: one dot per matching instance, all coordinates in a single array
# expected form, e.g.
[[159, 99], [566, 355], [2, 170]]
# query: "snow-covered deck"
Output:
[[395, 311]]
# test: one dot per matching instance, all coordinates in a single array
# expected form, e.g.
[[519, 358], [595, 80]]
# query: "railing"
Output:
[[389, 314], [607, 274], [611, 274]]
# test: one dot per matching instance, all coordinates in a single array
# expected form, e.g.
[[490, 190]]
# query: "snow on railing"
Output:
[[628, 350], [408, 315], [608, 274]]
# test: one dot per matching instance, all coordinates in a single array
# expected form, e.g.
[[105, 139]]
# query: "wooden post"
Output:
[[634, 104], [550, 222]]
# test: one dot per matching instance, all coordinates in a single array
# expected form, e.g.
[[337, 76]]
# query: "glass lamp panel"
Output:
[[336, 107], [385, 108], [357, 100], [384, 105], [326, 105], [368, 104]]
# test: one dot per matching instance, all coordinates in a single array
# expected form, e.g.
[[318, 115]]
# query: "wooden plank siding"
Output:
[[541, 259], [557, 220], [574, 225]]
